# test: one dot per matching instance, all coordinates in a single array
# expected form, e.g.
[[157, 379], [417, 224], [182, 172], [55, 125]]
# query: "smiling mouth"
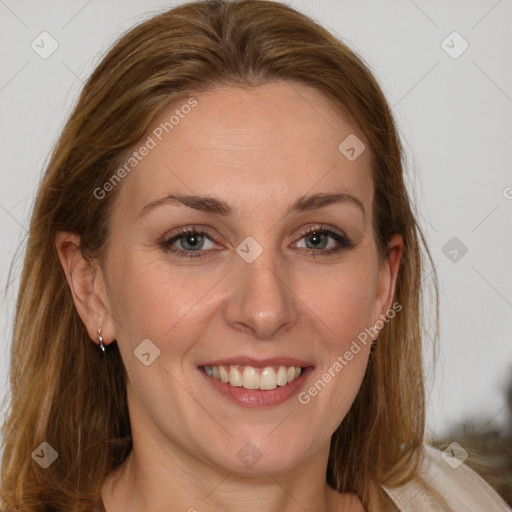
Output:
[[249, 377]]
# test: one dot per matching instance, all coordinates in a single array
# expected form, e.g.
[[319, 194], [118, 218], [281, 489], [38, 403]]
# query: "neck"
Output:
[[152, 481]]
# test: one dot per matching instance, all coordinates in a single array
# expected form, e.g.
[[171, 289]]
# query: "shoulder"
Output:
[[461, 487]]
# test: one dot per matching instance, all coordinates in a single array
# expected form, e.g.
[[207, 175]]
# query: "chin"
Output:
[[259, 455]]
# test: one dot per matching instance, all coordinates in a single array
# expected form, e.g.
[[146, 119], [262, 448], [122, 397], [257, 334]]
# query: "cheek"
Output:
[[156, 300], [345, 302], [345, 309]]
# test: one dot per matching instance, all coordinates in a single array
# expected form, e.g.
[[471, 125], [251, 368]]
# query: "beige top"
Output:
[[462, 488]]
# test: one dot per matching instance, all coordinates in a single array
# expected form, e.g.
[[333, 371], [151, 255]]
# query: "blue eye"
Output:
[[319, 239], [188, 238], [192, 242]]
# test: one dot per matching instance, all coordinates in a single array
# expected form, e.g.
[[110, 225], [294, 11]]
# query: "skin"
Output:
[[258, 150]]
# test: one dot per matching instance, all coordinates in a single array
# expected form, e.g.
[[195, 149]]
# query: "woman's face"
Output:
[[254, 293]]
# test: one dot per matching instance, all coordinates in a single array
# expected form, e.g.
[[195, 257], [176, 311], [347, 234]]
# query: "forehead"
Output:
[[249, 145]]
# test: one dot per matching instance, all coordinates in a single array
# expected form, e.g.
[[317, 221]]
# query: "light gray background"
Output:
[[454, 116]]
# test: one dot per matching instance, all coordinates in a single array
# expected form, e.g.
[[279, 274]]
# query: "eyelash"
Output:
[[342, 240]]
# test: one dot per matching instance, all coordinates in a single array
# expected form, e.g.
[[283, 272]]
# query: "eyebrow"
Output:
[[216, 206]]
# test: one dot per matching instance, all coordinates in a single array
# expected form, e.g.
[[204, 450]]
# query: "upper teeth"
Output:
[[249, 378]]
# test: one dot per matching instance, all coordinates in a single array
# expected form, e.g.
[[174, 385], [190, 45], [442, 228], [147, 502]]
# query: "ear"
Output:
[[387, 275], [87, 284]]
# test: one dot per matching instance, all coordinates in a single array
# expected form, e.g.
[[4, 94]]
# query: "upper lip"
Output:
[[250, 361]]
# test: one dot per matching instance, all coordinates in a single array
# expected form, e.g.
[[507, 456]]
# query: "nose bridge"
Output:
[[262, 298]]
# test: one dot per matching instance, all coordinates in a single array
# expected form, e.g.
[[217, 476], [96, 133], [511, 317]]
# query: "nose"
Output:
[[262, 300]]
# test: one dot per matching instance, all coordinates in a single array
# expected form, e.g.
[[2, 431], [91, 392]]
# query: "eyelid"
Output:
[[194, 229], [325, 229]]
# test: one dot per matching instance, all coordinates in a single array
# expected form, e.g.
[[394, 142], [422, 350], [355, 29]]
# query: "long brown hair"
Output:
[[62, 391]]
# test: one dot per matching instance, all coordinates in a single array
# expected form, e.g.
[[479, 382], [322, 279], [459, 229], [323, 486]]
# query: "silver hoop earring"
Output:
[[102, 347]]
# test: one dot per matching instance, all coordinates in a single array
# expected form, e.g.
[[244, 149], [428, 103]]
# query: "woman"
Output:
[[225, 216]]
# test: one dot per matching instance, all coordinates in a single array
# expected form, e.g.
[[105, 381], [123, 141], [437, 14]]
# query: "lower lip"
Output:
[[258, 397]]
